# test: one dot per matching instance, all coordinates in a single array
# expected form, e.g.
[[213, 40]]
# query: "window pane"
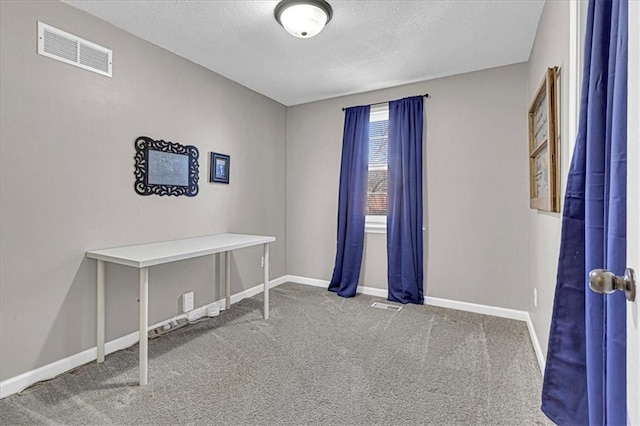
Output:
[[378, 137], [378, 152], [377, 193]]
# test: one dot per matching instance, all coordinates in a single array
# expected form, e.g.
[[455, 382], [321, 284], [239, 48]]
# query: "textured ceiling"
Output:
[[367, 45]]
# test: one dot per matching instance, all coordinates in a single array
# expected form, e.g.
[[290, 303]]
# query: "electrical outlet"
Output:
[[187, 302], [535, 297], [262, 262]]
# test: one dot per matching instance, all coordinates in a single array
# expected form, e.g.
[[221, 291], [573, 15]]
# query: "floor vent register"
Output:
[[386, 306]]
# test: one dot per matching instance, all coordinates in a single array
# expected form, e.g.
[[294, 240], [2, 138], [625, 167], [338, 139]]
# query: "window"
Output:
[[377, 180]]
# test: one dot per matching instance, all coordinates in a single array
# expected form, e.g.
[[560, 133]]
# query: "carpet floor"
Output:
[[319, 359]]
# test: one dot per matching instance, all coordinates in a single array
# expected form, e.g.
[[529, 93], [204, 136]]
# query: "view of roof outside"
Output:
[[377, 187]]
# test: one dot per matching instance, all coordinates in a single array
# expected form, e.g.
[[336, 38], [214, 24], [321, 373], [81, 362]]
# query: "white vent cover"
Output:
[[73, 50], [385, 306]]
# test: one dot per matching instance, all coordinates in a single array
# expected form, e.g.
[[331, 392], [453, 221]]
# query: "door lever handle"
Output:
[[604, 282]]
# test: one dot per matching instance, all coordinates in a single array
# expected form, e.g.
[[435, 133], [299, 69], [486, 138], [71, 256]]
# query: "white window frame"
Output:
[[377, 224]]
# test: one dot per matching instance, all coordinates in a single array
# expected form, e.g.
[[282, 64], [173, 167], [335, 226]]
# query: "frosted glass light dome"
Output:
[[303, 18]]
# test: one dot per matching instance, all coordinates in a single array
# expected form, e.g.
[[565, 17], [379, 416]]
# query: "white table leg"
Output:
[[217, 278], [265, 249], [100, 310], [227, 279], [144, 321]]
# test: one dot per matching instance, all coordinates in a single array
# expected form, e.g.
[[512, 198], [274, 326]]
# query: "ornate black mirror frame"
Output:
[[165, 168]]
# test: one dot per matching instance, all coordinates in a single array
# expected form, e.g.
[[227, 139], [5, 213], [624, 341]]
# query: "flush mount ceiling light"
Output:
[[303, 18]]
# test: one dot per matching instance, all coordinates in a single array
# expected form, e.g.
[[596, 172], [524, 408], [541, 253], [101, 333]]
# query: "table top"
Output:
[[144, 255]]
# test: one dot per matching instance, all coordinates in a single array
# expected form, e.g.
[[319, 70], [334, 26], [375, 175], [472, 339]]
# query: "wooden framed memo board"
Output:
[[543, 146]]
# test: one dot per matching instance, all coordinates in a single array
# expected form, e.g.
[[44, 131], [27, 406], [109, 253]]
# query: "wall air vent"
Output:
[[73, 50]]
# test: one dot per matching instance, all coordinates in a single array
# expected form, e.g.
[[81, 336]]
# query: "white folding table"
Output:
[[145, 255]]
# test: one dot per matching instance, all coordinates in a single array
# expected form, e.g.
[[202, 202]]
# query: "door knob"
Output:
[[604, 282]]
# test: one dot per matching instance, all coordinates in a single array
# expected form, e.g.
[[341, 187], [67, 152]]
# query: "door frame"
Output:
[[633, 211]]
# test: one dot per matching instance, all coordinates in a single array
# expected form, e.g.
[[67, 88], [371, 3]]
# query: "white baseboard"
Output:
[[235, 298], [536, 345], [433, 301], [371, 291], [22, 381], [477, 308], [307, 281]]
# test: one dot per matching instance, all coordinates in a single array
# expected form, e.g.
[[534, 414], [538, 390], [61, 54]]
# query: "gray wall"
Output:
[[67, 182], [476, 190], [551, 48]]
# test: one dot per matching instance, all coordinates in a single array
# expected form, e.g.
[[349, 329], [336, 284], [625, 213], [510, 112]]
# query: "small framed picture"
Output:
[[219, 168], [544, 180]]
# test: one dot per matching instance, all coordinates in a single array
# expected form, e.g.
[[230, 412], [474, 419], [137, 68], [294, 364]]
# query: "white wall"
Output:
[[551, 48], [475, 187], [66, 142]]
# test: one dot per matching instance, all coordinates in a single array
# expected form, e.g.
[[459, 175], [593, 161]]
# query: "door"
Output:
[[633, 212]]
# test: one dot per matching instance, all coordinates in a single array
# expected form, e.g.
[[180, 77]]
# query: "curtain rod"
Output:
[[426, 95]]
